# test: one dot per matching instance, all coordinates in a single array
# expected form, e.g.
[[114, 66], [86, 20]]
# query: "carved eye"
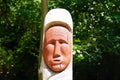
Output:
[[52, 42]]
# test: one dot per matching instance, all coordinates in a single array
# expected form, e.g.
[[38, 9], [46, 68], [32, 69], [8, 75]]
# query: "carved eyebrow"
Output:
[[52, 41]]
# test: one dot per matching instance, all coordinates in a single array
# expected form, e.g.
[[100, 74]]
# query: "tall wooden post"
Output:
[[44, 9], [56, 59]]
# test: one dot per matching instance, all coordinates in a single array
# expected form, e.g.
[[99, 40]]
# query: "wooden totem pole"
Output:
[[56, 61]]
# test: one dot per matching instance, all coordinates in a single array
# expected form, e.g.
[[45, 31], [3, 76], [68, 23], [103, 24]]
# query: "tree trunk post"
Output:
[[44, 9]]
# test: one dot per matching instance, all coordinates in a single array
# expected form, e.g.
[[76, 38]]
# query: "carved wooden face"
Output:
[[57, 48]]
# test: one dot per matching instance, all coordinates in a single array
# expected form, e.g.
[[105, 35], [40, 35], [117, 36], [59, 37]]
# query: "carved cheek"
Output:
[[65, 48], [49, 50]]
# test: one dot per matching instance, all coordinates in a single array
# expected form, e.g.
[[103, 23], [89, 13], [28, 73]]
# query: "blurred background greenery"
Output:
[[96, 36]]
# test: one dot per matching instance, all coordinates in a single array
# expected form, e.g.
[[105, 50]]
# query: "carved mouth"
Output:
[[57, 61]]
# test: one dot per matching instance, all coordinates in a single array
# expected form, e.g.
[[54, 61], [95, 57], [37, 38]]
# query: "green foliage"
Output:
[[96, 36], [19, 39]]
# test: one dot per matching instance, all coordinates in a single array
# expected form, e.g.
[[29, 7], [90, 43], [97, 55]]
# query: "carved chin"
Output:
[[57, 68]]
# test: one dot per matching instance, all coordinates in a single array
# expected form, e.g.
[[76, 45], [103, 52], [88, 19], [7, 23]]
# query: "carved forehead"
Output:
[[57, 32]]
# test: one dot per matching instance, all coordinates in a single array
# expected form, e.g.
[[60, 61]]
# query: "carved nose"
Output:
[[57, 51]]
